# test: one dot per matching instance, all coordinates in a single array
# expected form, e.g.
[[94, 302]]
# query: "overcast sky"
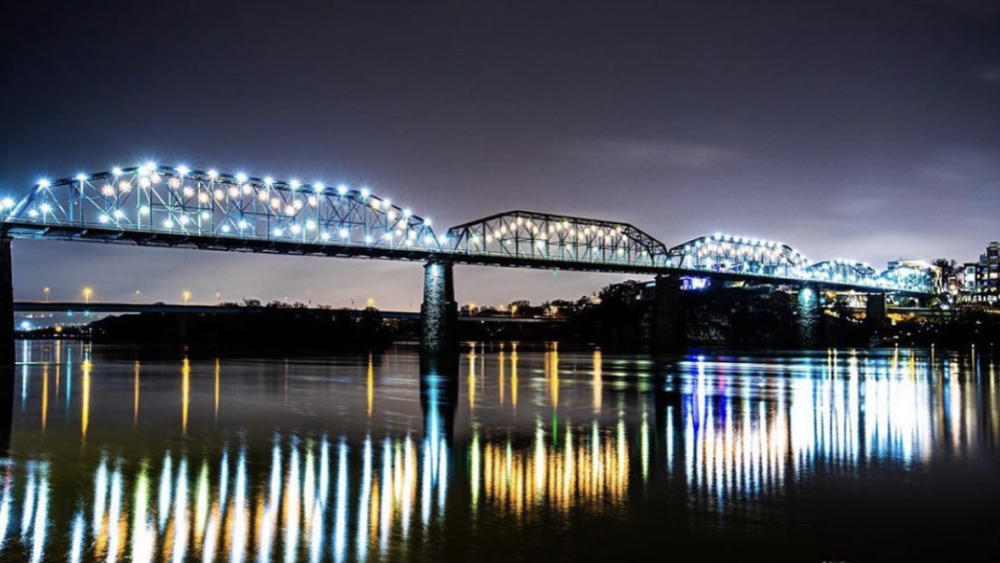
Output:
[[867, 129]]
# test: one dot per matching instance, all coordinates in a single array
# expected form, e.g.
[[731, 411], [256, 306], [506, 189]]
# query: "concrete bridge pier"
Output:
[[875, 310], [439, 311], [809, 323], [669, 330]]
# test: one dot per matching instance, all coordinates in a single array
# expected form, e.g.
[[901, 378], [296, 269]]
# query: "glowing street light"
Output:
[[371, 302], [87, 293], [186, 296], [138, 295], [46, 291]]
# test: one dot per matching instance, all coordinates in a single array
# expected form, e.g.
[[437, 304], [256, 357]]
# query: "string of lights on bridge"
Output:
[[154, 204]]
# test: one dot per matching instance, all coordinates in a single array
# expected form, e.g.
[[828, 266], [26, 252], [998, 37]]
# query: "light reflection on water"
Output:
[[383, 457]]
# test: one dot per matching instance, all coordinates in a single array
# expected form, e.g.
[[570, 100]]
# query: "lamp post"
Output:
[[186, 296], [87, 292], [46, 291]]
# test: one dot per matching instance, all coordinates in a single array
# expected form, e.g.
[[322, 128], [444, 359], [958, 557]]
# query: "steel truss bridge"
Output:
[[151, 205]]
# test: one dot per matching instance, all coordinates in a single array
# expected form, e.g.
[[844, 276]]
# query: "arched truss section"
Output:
[[920, 278], [844, 272], [197, 206], [525, 235], [739, 255]]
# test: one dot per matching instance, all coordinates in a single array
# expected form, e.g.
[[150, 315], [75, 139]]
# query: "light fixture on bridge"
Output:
[[342, 189], [45, 208], [365, 192], [148, 168], [116, 171], [81, 177], [241, 177], [268, 181], [44, 183], [294, 184], [319, 187], [6, 203], [183, 170], [213, 174]]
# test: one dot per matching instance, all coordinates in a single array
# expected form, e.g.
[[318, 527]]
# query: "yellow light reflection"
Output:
[[45, 395], [135, 393], [598, 382], [85, 410], [185, 394], [371, 385]]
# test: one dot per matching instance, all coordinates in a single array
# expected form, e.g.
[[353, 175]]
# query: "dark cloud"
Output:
[[656, 154], [990, 74]]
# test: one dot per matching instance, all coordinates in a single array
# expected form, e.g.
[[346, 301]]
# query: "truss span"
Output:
[[158, 205], [558, 239], [739, 255]]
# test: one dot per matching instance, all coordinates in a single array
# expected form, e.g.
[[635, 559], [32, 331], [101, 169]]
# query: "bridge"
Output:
[[153, 205]]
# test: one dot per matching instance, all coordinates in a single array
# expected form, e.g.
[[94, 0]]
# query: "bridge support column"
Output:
[[810, 317], [875, 310], [669, 330], [439, 311]]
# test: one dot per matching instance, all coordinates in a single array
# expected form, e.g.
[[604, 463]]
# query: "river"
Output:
[[505, 453]]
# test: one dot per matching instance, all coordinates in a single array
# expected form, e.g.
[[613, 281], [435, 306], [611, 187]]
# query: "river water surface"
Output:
[[505, 453]]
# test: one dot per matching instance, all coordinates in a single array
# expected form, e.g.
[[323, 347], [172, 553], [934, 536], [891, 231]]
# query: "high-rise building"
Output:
[[982, 278]]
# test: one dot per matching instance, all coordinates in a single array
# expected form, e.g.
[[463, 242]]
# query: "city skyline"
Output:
[[875, 138]]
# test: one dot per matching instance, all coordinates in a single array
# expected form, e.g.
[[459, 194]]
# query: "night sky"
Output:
[[867, 129]]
